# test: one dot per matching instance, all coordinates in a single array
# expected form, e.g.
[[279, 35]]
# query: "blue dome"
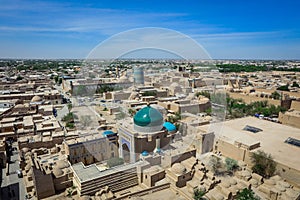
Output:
[[169, 126], [108, 132], [145, 153], [158, 150], [148, 116]]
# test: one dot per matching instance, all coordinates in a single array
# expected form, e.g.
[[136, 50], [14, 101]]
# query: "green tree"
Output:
[[198, 194], [295, 84], [264, 164], [284, 88], [70, 191], [192, 70], [149, 93], [56, 79], [70, 125], [215, 163], [231, 164], [104, 88], [69, 117], [208, 111], [59, 81], [246, 194], [19, 78], [131, 112], [275, 95]]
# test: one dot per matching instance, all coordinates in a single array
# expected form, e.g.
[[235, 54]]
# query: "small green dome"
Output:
[[148, 116]]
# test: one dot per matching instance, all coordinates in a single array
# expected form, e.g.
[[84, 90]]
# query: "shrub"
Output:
[[264, 164], [198, 194], [284, 88], [231, 164], [246, 194]]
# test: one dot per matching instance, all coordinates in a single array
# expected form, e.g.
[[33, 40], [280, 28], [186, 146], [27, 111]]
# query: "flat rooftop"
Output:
[[272, 137], [85, 138], [91, 172], [294, 113]]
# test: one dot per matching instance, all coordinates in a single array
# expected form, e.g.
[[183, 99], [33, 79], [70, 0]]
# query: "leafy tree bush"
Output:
[[264, 164], [56, 79], [215, 163], [237, 108], [19, 78], [149, 93], [295, 84], [104, 88], [131, 112], [198, 194], [240, 68], [246, 194], [208, 111], [231, 164], [70, 125], [284, 88], [59, 81], [69, 117], [275, 95]]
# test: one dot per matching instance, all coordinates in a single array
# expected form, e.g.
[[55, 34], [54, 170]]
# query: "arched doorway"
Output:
[[126, 153]]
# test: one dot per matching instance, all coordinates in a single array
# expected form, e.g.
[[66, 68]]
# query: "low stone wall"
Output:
[[145, 191], [249, 98]]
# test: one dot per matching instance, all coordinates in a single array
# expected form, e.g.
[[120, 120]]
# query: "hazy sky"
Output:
[[256, 29]]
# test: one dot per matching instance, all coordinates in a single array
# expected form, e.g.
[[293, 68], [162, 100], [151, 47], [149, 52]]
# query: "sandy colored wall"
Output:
[[289, 120], [39, 144], [290, 174], [190, 108], [230, 150], [152, 179], [121, 95], [295, 105], [248, 99]]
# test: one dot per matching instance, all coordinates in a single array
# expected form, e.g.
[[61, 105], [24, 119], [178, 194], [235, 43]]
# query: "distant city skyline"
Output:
[[226, 30]]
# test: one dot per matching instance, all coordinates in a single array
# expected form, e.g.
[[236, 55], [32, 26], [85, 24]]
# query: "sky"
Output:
[[226, 29]]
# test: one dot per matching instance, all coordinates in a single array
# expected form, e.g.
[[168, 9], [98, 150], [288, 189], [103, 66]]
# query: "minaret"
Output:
[[157, 146]]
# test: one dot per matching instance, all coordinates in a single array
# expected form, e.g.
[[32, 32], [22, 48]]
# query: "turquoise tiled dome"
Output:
[[148, 116], [169, 126]]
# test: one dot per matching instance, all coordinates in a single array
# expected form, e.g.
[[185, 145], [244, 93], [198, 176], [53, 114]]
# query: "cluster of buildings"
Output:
[[152, 138]]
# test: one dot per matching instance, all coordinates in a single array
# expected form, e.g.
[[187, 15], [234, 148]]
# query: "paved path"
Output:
[[12, 187]]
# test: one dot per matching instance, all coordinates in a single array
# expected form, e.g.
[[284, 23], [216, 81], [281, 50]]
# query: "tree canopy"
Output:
[[284, 88], [198, 194], [231, 164], [264, 164], [247, 194]]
